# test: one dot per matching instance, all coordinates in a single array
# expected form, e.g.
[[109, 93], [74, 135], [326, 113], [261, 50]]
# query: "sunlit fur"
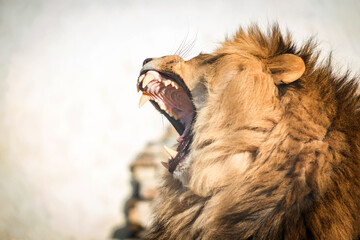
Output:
[[267, 161]]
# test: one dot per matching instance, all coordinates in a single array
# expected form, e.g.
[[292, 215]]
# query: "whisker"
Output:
[[178, 51], [189, 47], [184, 45]]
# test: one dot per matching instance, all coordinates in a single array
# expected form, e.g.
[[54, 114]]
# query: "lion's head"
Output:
[[222, 104], [269, 144]]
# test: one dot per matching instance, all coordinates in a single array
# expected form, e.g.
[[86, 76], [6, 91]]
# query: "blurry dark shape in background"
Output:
[[146, 171]]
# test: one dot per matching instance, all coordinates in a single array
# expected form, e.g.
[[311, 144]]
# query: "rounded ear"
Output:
[[286, 68]]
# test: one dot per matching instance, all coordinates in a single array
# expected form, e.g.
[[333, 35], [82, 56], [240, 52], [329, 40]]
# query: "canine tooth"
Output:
[[148, 78], [165, 164], [144, 98], [172, 153]]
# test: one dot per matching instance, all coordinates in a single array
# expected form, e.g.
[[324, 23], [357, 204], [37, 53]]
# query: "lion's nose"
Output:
[[147, 60]]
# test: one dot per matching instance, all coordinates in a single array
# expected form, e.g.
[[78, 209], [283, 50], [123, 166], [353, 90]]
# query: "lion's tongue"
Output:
[[186, 131], [181, 105]]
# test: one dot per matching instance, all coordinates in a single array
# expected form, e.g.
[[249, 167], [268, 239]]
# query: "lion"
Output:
[[269, 144]]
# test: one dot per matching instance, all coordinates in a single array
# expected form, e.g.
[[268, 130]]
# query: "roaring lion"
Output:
[[269, 144]]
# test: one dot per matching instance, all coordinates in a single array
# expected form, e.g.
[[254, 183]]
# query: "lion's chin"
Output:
[[182, 171]]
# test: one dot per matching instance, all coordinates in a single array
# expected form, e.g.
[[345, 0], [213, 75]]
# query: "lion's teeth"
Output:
[[172, 114], [144, 98], [175, 116], [141, 78], [175, 85], [172, 153], [162, 105], [148, 78], [167, 82], [165, 164]]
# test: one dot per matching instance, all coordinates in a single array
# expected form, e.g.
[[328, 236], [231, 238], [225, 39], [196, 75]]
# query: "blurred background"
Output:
[[69, 122]]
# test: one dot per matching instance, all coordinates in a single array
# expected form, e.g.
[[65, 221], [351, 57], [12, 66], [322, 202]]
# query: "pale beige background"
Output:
[[69, 122]]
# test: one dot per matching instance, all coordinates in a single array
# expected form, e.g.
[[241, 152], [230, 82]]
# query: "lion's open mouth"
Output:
[[169, 95]]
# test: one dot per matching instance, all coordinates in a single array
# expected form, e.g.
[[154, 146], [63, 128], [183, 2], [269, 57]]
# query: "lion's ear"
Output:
[[286, 68]]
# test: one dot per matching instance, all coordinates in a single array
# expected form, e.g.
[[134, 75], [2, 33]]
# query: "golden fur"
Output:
[[276, 146]]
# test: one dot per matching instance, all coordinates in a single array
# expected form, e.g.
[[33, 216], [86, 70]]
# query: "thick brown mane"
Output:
[[271, 158], [318, 73]]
